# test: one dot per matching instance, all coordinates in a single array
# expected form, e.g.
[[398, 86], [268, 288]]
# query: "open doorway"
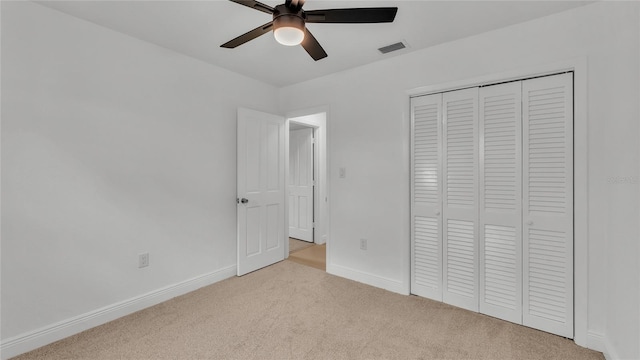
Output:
[[301, 182], [306, 189]]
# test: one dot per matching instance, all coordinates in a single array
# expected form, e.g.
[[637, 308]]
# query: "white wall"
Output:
[[111, 147], [369, 136]]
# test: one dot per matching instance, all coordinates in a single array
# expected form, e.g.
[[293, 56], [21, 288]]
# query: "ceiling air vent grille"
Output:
[[393, 47]]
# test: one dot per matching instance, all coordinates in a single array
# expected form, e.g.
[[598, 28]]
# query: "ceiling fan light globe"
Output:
[[289, 36]]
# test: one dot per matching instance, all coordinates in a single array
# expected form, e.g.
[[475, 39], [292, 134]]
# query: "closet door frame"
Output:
[[579, 67]]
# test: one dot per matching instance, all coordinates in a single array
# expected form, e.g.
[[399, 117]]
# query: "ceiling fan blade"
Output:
[[255, 5], [352, 16], [312, 46], [260, 30]]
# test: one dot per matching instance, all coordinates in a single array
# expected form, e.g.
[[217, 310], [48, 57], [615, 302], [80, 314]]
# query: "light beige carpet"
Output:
[[297, 245], [291, 311]]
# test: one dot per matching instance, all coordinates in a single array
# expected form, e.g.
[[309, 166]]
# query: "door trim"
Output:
[[579, 66]]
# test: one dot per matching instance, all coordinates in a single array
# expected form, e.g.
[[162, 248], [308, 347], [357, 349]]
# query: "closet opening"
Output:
[[492, 200]]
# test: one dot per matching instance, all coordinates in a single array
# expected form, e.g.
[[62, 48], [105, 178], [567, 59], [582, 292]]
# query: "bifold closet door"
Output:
[[548, 203], [492, 200], [500, 215], [426, 198], [460, 205]]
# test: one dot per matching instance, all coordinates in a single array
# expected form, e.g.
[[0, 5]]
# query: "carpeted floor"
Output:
[[290, 311]]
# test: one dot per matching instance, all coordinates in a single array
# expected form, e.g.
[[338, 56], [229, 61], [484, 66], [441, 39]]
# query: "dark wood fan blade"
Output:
[[352, 16], [312, 46], [255, 5], [260, 30]]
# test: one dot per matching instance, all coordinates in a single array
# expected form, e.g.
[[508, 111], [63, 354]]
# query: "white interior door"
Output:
[[548, 203], [261, 190], [301, 184], [500, 216], [426, 196], [460, 205]]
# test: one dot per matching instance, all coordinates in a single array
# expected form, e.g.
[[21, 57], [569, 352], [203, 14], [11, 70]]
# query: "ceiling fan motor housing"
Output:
[[284, 16], [288, 25]]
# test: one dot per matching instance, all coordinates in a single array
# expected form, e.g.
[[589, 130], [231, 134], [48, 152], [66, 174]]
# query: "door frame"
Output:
[[579, 66], [321, 163]]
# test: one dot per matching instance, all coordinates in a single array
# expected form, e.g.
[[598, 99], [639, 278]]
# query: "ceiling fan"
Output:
[[289, 20]]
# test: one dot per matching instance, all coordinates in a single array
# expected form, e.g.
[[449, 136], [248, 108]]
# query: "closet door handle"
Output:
[[529, 222]]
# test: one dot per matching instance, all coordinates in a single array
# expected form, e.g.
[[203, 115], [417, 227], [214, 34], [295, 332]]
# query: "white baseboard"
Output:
[[599, 342], [596, 341], [34, 339], [369, 279], [321, 240]]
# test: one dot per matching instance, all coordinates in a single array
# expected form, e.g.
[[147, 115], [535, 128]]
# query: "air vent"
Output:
[[393, 47]]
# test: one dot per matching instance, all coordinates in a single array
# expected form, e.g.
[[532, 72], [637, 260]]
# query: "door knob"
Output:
[[437, 213], [529, 222], [243, 200]]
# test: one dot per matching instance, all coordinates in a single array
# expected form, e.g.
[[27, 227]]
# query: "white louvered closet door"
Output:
[[548, 204], [500, 215], [460, 205], [426, 198]]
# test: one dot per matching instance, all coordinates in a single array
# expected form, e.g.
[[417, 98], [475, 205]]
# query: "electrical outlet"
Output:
[[143, 260], [363, 244]]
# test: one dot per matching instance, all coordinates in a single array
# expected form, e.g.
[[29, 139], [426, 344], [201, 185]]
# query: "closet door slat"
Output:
[[460, 203], [500, 215], [548, 204], [426, 196]]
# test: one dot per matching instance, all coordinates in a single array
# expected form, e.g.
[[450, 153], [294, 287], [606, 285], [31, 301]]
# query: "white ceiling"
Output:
[[198, 28]]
